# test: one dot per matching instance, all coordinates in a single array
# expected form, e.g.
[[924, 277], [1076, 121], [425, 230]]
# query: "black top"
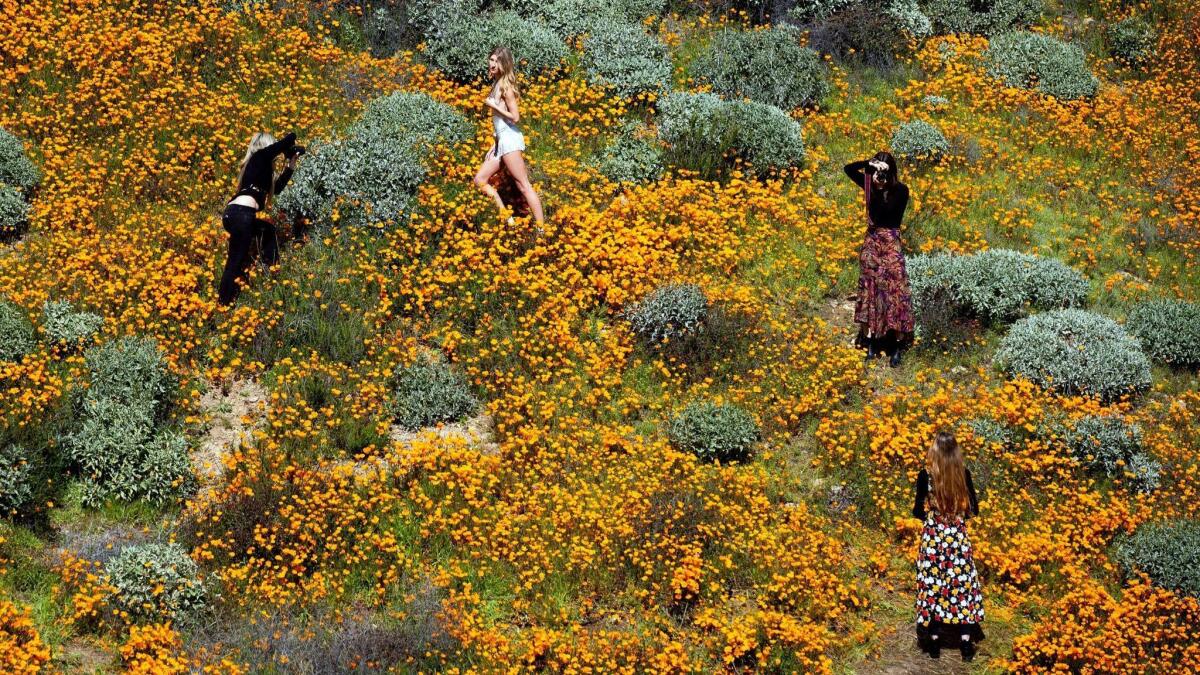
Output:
[[256, 179], [884, 212], [923, 494]]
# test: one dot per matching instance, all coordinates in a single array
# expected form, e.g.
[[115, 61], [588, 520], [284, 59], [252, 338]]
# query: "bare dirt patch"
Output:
[[233, 411]]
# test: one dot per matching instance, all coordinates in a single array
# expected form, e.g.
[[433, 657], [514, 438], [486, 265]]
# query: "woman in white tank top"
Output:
[[509, 142]]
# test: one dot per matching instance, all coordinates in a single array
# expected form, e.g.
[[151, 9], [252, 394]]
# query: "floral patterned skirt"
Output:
[[884, 303], [949, 597]]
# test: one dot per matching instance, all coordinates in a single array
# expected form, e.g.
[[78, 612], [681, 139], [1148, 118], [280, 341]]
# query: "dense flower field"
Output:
[[577, 536]]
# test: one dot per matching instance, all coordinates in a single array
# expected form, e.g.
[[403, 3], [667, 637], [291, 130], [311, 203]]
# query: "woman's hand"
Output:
[[292, 161]]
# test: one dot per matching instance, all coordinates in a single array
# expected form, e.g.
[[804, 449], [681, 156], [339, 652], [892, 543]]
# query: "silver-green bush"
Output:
[[120, 445], [669, 312], [574, 17], [1167, 551], [624, 57], [1031, 60], [16, 333], [68, 328], [16, 169], [919, 140], [935, 102], [16, 472], [1143, 473], [14, 211], [635, 156], [368, 178], [768, 66], [428, 392], [1075, 352], [703, 133], [1132, 41], [462, 43], [412, 118], [996, 285], [983, 17], [1169, 331], [1105, 443], [156, 582], [713, 432]]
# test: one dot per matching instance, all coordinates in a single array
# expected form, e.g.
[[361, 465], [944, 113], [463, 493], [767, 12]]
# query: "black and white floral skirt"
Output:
[[949, 597]]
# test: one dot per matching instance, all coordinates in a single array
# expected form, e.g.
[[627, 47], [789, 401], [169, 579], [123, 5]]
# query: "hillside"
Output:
[[641, 440]]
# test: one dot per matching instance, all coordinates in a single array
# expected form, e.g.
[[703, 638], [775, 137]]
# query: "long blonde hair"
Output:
[[258, 141], [947, 476], [507, 81]]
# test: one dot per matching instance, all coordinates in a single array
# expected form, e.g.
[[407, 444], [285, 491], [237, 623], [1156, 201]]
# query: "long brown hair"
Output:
[[507, 81], [947, 476]]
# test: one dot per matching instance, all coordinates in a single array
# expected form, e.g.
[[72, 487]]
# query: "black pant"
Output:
[[244, 228]]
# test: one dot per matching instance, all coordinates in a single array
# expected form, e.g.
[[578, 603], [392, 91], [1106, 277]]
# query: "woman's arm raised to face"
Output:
[[855, 171]]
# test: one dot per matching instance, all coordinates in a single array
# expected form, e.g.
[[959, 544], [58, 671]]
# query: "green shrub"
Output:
[[983, 17], [996, 285], [68, 328], [462, 43], [16, 471], [635, 156], [862, 32], [1104, 443], [712, 432], [156, 582], [16, 333], [910, 17], [935, 102], [919, 140], [569, 18], [1132, 41], [992, 431], [1030, 60], [627, 59], [1143, 473], [16, 169], [1075, 352], [412, 117], [1169, 331], [807, 11], [14, 212], [120, 446], [428, 392], [703, 133], [1167, 551], [768, 66], [669, 312], [368, 178]]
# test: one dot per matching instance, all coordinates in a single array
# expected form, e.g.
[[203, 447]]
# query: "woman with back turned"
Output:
[[256, 184], [949, 603], [883, 309]]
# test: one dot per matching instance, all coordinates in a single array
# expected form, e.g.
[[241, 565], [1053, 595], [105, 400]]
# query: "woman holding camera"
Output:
[[949, 605], [509, 144], [883, 309], [256, 184]]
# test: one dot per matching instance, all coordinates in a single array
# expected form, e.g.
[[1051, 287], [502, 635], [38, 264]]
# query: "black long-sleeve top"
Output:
[[256, 179], [923, 494], [883, 212]]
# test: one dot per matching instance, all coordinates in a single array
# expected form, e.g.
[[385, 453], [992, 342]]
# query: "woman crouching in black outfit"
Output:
[[256, 185]]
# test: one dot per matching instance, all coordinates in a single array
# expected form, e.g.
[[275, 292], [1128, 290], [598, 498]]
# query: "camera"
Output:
[[296, 151]]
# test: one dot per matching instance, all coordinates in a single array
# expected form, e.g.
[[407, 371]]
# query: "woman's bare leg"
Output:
[[515, 163], [486, 170]]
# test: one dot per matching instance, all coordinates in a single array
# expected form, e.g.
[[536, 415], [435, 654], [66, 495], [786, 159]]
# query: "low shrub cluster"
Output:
[[18, 176], [428, 392], [569, 18], [413, 118], [461, 44], [1035, 61], [768, 66], [669, 312], [121, 445], [919, 140], [156, 582], [1075, 352], [996, 285], [635, 156], [1169, 331], [854, 31], [705, 134], [1132, 41], [624, 57], [16, 333], [983, 17], [1111, 445], [15, 479], [1168, 552], [715, 432], [68, 328]]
